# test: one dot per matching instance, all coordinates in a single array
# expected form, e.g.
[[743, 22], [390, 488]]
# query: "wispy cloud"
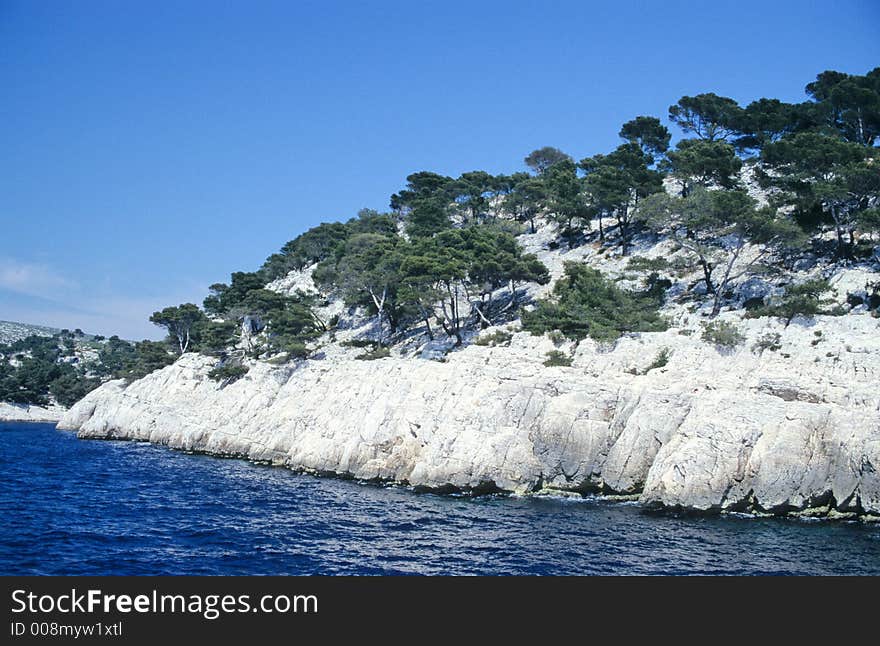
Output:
[[40, 294], [32, 279]]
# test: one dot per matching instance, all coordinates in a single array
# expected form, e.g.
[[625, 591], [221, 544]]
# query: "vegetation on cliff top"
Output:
[[438, 259], [445, 258], [63, 368]]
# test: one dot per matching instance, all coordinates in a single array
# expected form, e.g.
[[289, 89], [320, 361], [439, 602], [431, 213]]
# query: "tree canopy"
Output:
[[715, 227], [840, 178], [708, 116], [650, 135], [180, 322], [542, 159]]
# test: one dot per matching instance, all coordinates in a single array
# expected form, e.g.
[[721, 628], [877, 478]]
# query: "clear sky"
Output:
[[151, 148]]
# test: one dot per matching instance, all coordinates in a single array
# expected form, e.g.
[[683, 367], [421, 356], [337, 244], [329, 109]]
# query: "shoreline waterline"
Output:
[[810, 514], [135, 508]]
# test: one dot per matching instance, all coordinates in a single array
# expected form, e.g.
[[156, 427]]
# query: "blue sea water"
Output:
[[74, 506]]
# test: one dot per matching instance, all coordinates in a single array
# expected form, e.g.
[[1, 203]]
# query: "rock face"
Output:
[[790, 429], [25, 413]]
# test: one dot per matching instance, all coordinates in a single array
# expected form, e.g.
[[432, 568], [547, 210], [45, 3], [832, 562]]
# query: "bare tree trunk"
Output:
[[456, 314], [707, 275], [380, 306], [716, 304], [479, 310], [622, 223], [862, 129], [447, 317], [842, 250], [451, 318], [841, 245], [446, 329], [318, 320]]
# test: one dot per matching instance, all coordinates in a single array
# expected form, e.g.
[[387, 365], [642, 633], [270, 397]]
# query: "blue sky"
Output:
[[151, 148]]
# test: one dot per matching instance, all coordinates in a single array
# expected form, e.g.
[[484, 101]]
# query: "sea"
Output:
[[95, 507]]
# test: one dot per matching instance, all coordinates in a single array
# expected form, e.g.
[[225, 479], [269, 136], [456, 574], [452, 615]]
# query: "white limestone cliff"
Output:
[[788, 430]]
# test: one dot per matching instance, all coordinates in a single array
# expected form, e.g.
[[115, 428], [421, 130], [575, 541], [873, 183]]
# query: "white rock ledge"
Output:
[[25, 413], [735, 431]]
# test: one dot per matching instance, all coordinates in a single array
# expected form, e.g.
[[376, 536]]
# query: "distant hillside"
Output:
[[42, 366], [10, 331]]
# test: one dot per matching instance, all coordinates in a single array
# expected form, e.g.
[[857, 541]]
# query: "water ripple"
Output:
[[89, 507]]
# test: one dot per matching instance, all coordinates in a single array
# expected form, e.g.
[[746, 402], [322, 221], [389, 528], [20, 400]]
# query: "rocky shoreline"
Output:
[[792, 431], [26, 413]]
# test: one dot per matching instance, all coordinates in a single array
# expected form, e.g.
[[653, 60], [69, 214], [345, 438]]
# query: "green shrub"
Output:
[[681, 266], [570, 235], [509, 226], [768, 341], [296, 350], [722, 334], [557, 358], [641, 263], [228, 372], [374, 350], [584, 303], [804, 299], [660, 360], [379, 352], [499, 337], [359, 343]]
